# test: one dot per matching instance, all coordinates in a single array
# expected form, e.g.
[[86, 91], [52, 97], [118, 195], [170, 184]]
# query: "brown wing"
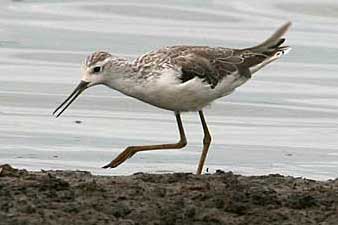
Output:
[[209, 64], [213, 64]]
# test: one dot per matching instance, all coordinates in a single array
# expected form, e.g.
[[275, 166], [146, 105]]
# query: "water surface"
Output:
[[283, 121]]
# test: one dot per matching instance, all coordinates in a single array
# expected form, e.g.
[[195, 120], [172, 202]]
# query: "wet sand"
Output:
[[78, 197]]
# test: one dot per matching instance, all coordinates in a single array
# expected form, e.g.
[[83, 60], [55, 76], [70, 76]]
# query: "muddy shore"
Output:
[[77, 197]]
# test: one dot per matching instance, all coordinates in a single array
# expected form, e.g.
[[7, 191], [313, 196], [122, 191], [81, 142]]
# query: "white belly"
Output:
[[169, 93]]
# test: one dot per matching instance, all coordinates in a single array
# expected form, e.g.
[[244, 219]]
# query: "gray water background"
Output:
[[284, 120]]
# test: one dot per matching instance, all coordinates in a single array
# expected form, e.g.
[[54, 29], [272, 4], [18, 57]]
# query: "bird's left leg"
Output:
[[206, 143], [131, 150]]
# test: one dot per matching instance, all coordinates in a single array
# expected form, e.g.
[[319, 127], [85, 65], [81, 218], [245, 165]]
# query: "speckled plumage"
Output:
[[209, 64]]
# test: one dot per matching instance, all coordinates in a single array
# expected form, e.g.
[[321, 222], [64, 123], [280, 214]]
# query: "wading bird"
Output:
[[179, 79]]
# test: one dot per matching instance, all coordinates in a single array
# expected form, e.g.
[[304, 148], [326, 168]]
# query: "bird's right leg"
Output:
[[131, 150]]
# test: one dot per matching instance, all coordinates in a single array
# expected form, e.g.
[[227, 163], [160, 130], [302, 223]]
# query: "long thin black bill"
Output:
[[78, 90]]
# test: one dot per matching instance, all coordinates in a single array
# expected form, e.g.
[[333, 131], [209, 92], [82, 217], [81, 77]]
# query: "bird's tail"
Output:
[[272, 47], [276, 40]]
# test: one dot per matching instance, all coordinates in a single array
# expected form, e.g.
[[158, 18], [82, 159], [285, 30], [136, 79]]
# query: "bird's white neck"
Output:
[[125, 79]]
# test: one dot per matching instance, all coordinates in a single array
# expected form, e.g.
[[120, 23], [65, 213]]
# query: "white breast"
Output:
[[169, 93]]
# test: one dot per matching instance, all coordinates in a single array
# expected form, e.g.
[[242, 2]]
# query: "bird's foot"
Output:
[[126, 154]]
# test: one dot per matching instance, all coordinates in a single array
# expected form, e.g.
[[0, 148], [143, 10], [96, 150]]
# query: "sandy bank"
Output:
[[77, 197]]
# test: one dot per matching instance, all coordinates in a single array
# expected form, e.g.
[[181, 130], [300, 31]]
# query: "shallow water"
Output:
[[283, 121]]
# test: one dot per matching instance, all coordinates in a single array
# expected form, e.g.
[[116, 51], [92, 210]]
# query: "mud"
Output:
[[77, 197]]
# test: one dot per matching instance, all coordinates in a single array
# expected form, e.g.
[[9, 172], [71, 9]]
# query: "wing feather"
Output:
[[213, 64], [210, 65]]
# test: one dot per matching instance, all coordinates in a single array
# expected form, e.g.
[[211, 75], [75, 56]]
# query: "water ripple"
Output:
[[283, 121]]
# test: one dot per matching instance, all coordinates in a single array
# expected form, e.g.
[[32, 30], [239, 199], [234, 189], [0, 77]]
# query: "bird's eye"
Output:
[[97, 69]]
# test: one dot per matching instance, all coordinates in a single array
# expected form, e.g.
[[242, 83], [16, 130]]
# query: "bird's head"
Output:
[[98, 68]]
